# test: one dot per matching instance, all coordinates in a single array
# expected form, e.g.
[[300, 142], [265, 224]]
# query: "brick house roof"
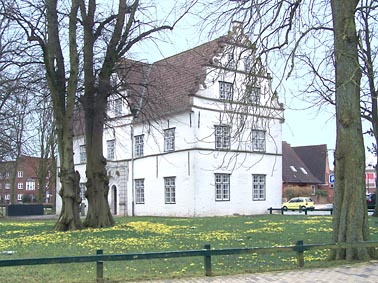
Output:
[[294, 168], [315, 157], [167, 86]]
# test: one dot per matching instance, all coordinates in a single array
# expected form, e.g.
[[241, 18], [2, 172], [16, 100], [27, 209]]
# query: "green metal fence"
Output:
[[207, 253]]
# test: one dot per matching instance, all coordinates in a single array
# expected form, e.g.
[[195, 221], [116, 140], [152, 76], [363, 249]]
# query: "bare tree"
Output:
[[104, 36], [40, 22], [123, 30]]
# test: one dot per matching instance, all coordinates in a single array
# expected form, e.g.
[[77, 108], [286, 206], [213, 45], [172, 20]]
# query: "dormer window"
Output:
[[231, 61], [248, 61], [226, 90], [254, 94], [118, 106]]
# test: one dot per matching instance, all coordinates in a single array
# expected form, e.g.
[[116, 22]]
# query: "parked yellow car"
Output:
[[299, 203]]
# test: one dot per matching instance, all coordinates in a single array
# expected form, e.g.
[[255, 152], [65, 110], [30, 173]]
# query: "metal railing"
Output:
[[299, 248]]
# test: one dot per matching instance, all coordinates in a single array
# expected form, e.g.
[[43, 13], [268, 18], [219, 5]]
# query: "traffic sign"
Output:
[[331, 178]]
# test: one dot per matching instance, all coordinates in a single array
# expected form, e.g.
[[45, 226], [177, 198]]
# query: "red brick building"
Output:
[[26, 185], [370, 179]]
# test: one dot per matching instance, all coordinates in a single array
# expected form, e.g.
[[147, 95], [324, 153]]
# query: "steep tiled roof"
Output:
[[314, 156], [166, 86], [294, 170]]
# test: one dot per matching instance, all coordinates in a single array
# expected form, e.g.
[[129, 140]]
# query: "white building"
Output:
[[199, 135]]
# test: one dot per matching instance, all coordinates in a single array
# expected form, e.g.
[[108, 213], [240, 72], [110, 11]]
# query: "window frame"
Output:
[[83, 153], [222, 134], [258, 140], [248, 61], [170, 190], [110, 148], [231, 63], [139, 191], [19, 197], [226, 91], [254, 94], [118, 106], [30, 185], [258, 187], [139, 145], [20, 174], [169, 139], [222, 186], [20, 186]]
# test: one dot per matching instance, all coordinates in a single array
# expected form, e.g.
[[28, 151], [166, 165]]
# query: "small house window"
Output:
[[226, 91]]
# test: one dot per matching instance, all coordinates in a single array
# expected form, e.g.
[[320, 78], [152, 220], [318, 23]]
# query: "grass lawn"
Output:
[[148, 234]]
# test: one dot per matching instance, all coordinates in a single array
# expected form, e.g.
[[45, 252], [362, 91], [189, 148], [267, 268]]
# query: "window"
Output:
[[222, 137], [293, 168], [231, 61], [82, 191], [111, 149], [83, 154], [169, 140], [139, 191], [20, 174], [222, 187], [226, 91], [7, 186], [258, 140], [19, 196], [254, 94], [118, 106], [7, 175], [248, 61], [7, 197], [258, 187], [20, 186], [30, 185], [170, 189], [139, 146]]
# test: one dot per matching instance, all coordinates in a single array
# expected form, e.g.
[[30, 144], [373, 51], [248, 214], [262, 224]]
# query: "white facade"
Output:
[[222, 156]]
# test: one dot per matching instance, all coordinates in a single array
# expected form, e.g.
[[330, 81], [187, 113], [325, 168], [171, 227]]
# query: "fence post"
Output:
[[207, 261], [300, 250], [99, 268]]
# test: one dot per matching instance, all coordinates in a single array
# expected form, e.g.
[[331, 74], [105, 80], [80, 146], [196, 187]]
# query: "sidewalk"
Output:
[[352, 273]]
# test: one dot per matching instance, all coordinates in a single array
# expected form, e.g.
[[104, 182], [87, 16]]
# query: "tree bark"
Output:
[[350, 222], [99, 214]]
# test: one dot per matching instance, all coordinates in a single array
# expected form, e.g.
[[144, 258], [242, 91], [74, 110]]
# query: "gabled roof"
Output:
[[294, 169], [166, 86], [315, 158]]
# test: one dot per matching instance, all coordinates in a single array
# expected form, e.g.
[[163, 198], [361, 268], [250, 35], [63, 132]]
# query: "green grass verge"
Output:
[[151, 234]]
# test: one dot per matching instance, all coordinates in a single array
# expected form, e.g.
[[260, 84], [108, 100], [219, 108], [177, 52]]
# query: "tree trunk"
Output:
[[350, 223], [69, 218], [63, 97], [99, 214]]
